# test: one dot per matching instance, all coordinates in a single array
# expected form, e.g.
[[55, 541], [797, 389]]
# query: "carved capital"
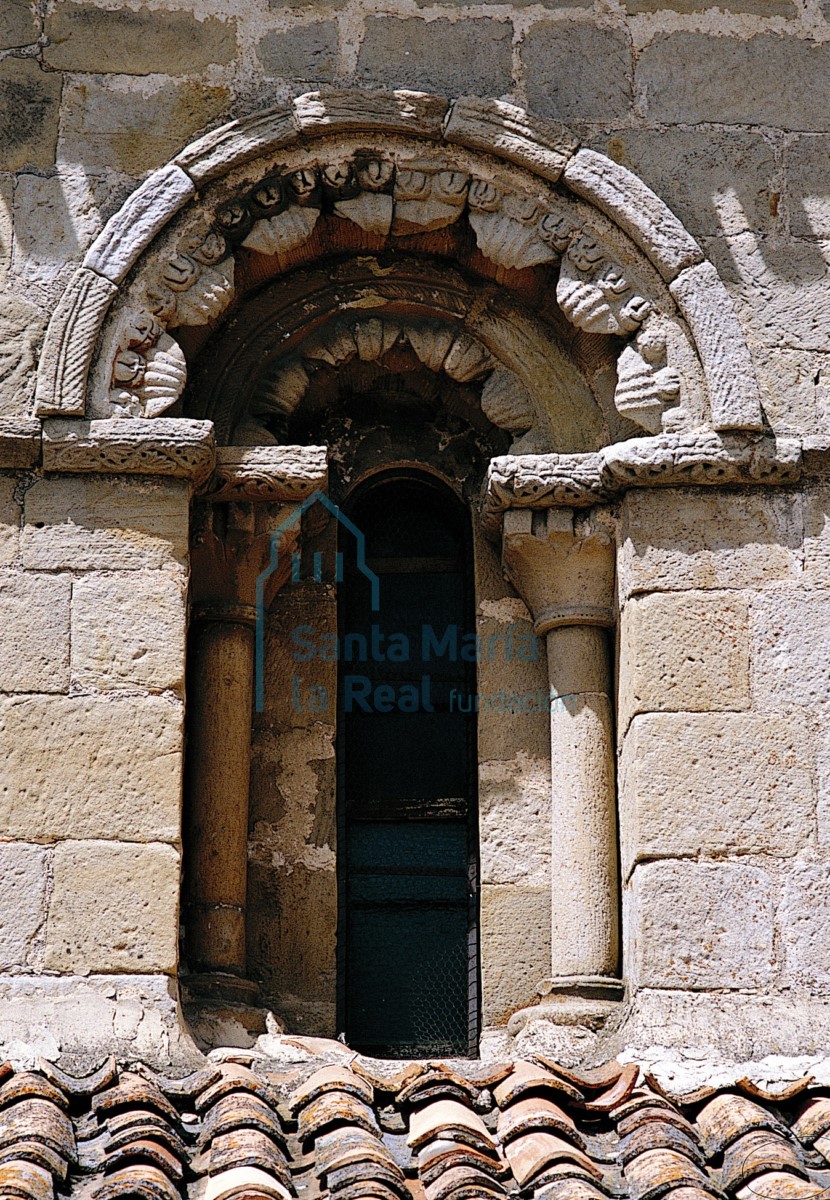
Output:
[[267, 474], [562, 567]]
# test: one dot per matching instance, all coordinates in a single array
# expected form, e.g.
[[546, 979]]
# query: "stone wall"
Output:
[[723, 732]]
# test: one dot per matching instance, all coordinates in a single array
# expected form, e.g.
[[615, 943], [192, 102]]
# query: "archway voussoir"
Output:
[[633, 206], [128, 233], [237, 143], [543, 147], [330, 112]]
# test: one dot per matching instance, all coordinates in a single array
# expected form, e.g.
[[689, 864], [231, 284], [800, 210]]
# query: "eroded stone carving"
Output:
[[506, 403], [595, 295], [507, 227], [646, 385], [180, 448], [427, 199], [271, 473], [149, 372]]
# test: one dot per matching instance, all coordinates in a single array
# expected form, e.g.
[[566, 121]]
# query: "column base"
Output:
[[586, 1000]]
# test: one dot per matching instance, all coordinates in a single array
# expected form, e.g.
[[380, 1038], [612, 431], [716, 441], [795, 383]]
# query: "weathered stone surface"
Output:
[[558, 85], [9, 521], [491, 125], [803, 920], [684, 652], [236, 143], [734, 399], [715, 783], [763, 8], [635, 208], [795, 390], [514, 822], [701, 925], [155, 446], [23, 877], [113, 908], [128, 630], [675, 539], [89, 523], [19, 24], [70, 339], [137, 222], [515, 948], [816, 503], [308, 52], [48, 228], [790, 648], [345, 110], [29, 100], [695, 77], [718, 181], [89, 766], [266, 473], [34, 648], [132, 126], [807, 171], [20, 334], [84, 37], [470, 55]]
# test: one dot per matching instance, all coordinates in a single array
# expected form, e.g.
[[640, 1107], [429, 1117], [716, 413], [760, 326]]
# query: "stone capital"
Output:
[[562, 565]]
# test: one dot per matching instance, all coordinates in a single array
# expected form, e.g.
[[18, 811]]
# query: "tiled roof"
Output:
[[358, 1129]]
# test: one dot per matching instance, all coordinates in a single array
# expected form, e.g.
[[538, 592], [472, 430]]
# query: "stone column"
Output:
[[231, 546], [562, 565]]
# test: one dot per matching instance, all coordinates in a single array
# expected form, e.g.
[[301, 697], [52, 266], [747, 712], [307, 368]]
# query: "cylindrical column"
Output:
[[220, 695], [563, 567], [584, 908]]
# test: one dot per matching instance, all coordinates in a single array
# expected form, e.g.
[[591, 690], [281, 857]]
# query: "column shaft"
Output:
[[220, 693]]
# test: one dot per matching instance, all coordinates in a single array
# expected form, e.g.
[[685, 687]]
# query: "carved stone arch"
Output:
[[191, 242]]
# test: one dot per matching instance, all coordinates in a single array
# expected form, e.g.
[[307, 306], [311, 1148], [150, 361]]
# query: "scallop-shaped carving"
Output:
[[374, 337], [467, 359], [506, 403], [371, 211], [284, 232], [431, 343], [334, 345], [282, 390], [426, 200], [583, 301], [506, 228], [165, 376], [207, 297]]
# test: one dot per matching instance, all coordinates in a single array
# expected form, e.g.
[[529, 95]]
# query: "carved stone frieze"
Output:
[[181, 448], [669, 460], [266, 473]]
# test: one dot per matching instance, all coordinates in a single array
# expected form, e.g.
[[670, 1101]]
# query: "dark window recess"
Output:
[[408, 841]]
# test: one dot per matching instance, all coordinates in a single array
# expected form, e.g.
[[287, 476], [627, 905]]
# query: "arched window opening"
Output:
[[407, 793]]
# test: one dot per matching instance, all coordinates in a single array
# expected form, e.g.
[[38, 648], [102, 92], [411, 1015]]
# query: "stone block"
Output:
[[761, 8], [686, 652], [514, 821], [131, 126], [9, 520], [731, 384], [90, 523], [790, 275], [7, 182], [577, 71], [19, 24], [804, 924], [633, 206], [720, 181], [34, 648], [816, 502], [49, 229], [795, 390], [90, 766], [29, 101], [452, 58], [113, 908], [715, 783], [675, 539], [790, 649], [701, 925], [128, 630], [807, 185], [144, 41], [515, 948], [23, 879], [307, 52], [691, 78], [21, 325]]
